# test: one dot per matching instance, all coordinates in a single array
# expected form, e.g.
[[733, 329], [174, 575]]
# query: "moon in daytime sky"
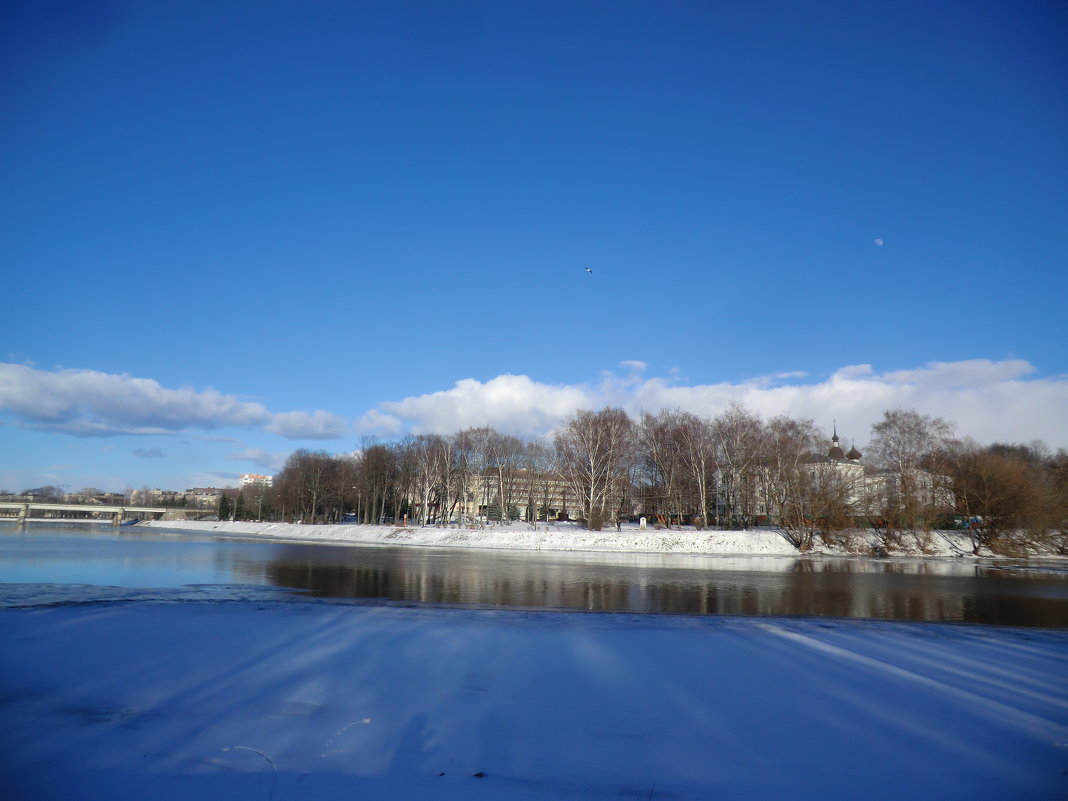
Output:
[[878, 243]]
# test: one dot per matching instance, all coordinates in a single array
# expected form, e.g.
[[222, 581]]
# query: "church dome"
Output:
[[853, 454], [836, 451]]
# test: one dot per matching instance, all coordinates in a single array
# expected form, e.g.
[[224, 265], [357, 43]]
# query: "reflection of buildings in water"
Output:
[[508, 581], [878, 591], [445, 579], [833, 587], [451, 578]]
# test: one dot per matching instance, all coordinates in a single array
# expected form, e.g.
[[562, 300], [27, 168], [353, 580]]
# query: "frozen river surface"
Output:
[[990, 591]]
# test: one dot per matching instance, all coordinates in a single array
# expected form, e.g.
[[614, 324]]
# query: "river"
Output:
[[1011, 592]]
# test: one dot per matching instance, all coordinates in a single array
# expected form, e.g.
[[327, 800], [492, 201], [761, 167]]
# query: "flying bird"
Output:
[[589, 270]]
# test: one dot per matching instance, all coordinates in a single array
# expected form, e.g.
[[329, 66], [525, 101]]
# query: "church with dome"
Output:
[[840, 478]]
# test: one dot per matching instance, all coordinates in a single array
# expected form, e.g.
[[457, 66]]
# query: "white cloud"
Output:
[[988, 400], [512, 403], [88, 403], [380, 423], [261, 457], [305, 425], [634, 364], [971, 373], [149, 453]]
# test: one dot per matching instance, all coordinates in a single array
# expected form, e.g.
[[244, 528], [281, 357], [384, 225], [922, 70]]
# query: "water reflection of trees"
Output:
[[833, 588]]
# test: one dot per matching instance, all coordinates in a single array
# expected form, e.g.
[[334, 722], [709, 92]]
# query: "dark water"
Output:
[[1001, 592]]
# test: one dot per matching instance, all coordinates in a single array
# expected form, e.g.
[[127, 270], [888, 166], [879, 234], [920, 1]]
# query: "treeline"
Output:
[[731, 470], [1016, 496]]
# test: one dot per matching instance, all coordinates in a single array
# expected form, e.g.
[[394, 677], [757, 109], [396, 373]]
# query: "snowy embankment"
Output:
[[272, 701], [559, 537], [515, 536]]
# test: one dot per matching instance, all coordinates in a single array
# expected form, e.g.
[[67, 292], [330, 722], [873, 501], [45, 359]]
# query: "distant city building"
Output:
[[203, 497], [256, 480], [157, 497], [205, 492]]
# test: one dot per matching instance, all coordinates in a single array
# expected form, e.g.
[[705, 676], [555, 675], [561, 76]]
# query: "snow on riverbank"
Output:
[[552, 537], [515, 536], [271, 701]]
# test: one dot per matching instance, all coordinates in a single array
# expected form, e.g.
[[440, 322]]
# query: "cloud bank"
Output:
[[90, 403], [988, 400]]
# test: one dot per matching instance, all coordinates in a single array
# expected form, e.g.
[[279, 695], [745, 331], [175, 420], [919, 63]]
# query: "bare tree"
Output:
[[540, 466], [452, 476], [470, 466], [345, 476], [1006, 494], [497, 460], [903, 442], [378, 470], [831, 498], [697, 450], [447, 479], [739, 435], [305, 482], [786, 478], [472, 443], [595, 451], [425, 452], [659, 455], [405, 480], [504, 458]]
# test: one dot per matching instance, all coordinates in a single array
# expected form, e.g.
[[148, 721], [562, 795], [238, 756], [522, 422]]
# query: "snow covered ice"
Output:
[[274, 699]]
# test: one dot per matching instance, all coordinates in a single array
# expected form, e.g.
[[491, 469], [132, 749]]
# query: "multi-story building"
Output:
[[203, 497], [256, 480], [520, 494]]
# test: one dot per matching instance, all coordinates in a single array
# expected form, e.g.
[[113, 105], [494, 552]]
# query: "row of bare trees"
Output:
[[674, 467], [736, 467], [424, 479], [1012, 498]]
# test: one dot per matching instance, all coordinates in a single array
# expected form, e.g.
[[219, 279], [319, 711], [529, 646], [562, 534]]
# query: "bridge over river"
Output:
[[57, 512]]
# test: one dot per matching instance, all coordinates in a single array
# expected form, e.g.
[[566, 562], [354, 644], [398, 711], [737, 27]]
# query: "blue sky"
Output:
[[231, 229]]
